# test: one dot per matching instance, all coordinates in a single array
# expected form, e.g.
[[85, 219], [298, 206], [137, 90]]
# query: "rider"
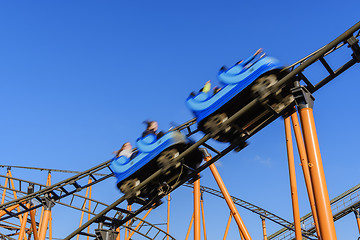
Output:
[[152, 128]]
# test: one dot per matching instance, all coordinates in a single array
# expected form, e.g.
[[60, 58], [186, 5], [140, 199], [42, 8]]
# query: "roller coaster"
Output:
[[287, 96]]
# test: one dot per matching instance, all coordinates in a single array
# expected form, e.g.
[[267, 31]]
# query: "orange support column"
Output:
[[241, 236], [127, 223], [46, 219], [228, 199], [23, 224], [44, 224], [89, 216], [138, 225], [189, 229], [50, 226], [197, 230], [305, 168], [33, 225], [48, 183], [83, 208], [264, 227], [227, 227], [322, 202], [292, 176], [168, 216], [9, 209], [32, 215], [357, 215], [12, 186], [203, 215], [5, 185]]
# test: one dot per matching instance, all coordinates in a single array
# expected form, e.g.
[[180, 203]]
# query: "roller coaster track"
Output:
[[340, 206], [74, 200], [257, 210], [73, 184], [143, 228]]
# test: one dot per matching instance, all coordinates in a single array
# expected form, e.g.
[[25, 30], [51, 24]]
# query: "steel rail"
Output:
[[316, 56], [301, 61], [45, 169], [239, 202], [39, 185], [135, 219], [345, 209], [151, 226], [255, 209], [58, 185], [65, 204]]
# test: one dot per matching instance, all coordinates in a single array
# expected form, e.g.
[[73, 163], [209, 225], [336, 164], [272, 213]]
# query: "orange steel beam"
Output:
[[23, 224], [83, 208], [197, 218], [203, 215], [127, 223], [50, 215], [190, 226], [41, 218], [264, 227], [9, 209], [12, 186], [88, 228], [228, 200], [168, 216], [15, 197], [305, 168], [292, 176], [33, 225], [357, 215], [322, 202], [138, 225], [227, 227], [44, 224], [16, 226], [48, 183], [5, 185], [50, 226]]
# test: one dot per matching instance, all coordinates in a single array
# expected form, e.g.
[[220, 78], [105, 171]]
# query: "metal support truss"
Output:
[[257, 210], [341, 206]]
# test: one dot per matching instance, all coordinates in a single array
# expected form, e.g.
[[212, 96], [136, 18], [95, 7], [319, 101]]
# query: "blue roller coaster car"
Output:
[[154, 154], [240, 84]]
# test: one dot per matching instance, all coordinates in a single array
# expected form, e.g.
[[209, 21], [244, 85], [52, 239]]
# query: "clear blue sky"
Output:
[[79, 77]]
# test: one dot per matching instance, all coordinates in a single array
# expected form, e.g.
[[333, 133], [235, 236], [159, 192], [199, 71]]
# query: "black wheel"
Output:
[[278, 100], [167, 160], [263, 85], [128, 187], [214, 122]]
